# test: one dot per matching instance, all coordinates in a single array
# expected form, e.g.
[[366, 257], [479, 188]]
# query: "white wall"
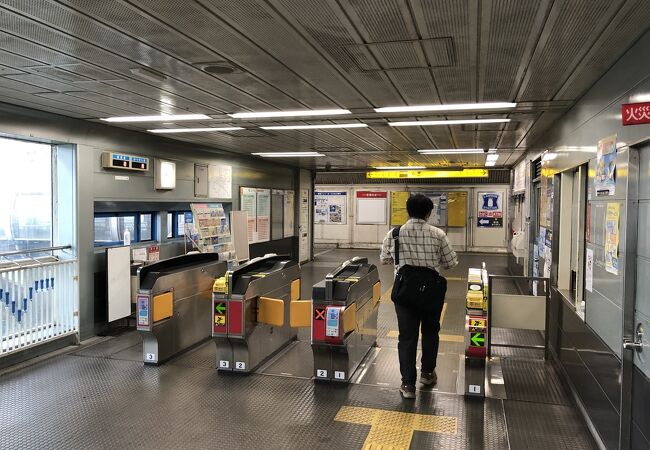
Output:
[[351, 235]]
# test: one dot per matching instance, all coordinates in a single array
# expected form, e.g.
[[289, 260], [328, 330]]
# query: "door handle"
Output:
[[637, 342]]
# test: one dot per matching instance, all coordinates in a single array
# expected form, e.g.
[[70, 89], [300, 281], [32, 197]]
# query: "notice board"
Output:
[[371, 207], [398, 214], [257, 205], [457, 209], [289, 202], [330, 207]]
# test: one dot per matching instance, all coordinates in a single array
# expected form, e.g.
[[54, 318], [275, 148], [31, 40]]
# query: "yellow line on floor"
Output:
[[442, 314], [456, 279], [393, 429]]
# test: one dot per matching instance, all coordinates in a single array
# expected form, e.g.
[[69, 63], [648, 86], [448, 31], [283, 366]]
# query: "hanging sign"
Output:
[[635, 113]]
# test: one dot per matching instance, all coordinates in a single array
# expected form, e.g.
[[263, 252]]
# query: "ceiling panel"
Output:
[[76, 57], [575, 27]]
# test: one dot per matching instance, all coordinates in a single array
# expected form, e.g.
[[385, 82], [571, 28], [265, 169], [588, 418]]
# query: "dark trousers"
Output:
[[409, 322]]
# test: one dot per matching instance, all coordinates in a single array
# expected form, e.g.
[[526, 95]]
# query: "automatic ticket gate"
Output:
[[249, 307], [173, 303], [344, 320]]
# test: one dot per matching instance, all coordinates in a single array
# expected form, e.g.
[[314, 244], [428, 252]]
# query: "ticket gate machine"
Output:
[[173, 303], [249, 307], [344, 320]]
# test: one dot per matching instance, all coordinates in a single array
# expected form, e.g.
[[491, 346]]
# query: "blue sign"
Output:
[[490, 222], [490, 202]]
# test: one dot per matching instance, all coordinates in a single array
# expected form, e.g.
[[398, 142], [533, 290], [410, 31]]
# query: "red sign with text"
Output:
[[635, 113], [370, 194]]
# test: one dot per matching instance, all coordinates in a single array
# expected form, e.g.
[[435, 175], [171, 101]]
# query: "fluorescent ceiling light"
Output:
[[400, 167], [192, 130], [452, 107], [315, 127], [492, 150], [490, 163], [162, 118], [492, 157], [420, 123], [451, 151], [288, 154], [308, 112], [549, 156]]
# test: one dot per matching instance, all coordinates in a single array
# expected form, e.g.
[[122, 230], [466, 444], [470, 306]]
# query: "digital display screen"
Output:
[[120, 163], [139, 165]]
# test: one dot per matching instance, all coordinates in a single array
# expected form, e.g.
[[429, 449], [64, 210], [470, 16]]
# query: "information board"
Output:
[[438, 216], [220, 181], [289, 205], [398, 213], [371, 207], [457, 209], [330, 207], [248, 203], [490, 210], [263, 215], [519, 183]]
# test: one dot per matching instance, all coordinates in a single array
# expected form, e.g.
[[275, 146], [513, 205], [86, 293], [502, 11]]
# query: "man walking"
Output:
[[419, 245]]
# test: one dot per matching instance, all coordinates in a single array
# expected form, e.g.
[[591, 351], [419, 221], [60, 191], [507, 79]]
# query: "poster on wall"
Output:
[[438, 216], [457, 209], [289, 200], [263, 215], [519, 182], [605, 179], [611, 237], [220, 181], [330, 207], [303, 226], [589, 272], [248, 202], [371, 207], [490, 210], [398, 214]]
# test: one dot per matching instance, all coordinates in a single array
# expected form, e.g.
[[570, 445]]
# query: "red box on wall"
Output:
[[635, 113], [371, 194]]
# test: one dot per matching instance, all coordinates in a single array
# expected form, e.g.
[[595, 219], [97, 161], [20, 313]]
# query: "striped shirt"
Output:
[[420, 244]]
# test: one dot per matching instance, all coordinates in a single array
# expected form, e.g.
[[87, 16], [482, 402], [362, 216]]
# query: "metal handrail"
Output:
[[547, 292], [35, 250]]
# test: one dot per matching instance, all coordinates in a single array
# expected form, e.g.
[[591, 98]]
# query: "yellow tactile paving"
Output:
[[393, 429]]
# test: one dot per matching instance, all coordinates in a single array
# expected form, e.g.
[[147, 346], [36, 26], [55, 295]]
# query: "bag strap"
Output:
[[396, 239]]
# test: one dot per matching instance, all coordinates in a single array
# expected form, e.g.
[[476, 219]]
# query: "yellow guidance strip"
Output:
[[392, 429]]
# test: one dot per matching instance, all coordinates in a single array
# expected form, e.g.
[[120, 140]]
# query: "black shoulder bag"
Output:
[[416, 287]]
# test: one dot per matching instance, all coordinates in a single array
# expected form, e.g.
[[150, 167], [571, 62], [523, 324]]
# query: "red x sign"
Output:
[[319, 313]]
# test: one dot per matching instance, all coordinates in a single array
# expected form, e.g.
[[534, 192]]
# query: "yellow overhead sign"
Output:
[[392, 174]]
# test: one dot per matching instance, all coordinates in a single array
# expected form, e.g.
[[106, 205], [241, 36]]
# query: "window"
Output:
[[110, 228], [176, 223], [26, 199]]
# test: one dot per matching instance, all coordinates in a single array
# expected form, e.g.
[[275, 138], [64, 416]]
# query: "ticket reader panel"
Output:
[[250, 312], [344, 319]]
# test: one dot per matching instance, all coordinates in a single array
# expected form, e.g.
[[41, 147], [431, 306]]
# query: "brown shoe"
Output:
[[407, 391], [429, 379]]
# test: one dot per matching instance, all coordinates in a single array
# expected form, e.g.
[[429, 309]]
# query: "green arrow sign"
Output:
[[477, 339], [220, 308]]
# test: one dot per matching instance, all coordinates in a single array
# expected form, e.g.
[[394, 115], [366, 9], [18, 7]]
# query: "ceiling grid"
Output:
[[77, 58]]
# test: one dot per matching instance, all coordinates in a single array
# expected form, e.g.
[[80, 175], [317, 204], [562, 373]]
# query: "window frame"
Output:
[[173, 225], [137, 227]]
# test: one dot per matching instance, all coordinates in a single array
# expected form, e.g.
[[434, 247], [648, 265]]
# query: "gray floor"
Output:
[[101, 396]]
